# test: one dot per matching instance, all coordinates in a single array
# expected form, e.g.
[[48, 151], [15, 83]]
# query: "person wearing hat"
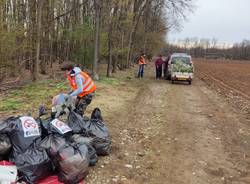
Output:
[[81, 84]]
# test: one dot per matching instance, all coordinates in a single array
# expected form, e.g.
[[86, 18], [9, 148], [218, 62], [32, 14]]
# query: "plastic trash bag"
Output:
[[53, 144], [8, 172], [71, 159], [33, 165], [62, 103], [77, 138], [77, 123], [73, 164], [5, 144], [94, 128], [23, 132], [55, 126], [93, 158], [96, 114]]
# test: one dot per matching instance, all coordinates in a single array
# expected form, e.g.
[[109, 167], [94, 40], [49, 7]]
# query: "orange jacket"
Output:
[[88, 84], [142, 61]]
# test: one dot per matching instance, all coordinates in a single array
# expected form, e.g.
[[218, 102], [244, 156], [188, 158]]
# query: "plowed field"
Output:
[[230, 78]]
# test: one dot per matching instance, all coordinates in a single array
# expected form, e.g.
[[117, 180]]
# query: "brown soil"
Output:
[[165, 133], [230, 78]]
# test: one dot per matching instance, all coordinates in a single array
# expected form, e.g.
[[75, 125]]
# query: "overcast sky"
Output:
[[226, 20]]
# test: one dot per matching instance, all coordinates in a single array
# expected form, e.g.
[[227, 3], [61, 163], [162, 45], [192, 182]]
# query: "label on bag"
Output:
[[30, 126], [62, 127]]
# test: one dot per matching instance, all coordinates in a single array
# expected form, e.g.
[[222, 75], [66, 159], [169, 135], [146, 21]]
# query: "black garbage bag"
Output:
[[33, 165], [76, 122], [96, 114], [73, 164], [102, 146], [77, 138], [5, 145], [23, 132], [71, 159], [101, 139], [55, 126], [96, 129], [53, 144], [93, 158]]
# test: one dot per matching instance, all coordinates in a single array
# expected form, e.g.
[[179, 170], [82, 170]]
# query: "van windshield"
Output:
[[185, 60]]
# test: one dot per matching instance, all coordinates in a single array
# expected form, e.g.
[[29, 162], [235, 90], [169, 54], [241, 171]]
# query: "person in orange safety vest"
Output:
[[142, 63], [82, 86]]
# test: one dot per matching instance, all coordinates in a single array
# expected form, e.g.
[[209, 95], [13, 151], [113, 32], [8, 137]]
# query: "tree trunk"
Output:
[[130, 43], [38, 43], [136, 17], [110, 50], [32, 8], [97, 38]]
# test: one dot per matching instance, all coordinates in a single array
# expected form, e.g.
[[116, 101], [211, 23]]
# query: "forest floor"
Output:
[[162, 133]]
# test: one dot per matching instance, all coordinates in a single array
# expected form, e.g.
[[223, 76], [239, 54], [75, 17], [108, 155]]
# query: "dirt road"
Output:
[[167, 133]]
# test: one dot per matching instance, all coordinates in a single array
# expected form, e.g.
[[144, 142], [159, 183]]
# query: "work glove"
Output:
[[42, 111], [88, 98], [66, 97], [71, 91]]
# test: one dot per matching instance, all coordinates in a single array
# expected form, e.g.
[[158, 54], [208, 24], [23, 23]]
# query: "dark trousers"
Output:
[[140, 71], [82, 103], [165, 72], [158, 71]]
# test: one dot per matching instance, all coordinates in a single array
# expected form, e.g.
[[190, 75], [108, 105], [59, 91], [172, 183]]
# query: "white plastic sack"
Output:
[[8, 174]]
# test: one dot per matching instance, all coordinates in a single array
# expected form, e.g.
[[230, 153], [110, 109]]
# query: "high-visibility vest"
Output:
[[88, 84], [142, 61]]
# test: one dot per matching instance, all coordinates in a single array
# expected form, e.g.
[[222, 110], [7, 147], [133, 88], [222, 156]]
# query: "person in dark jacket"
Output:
[[158, 67], [165, 67]]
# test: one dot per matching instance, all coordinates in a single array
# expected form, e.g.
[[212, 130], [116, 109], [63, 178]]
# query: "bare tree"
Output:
[[97, 4]]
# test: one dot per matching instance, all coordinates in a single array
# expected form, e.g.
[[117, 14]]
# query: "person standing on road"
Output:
[[142, 63], [165, 67], [81, 84], [158, 67]]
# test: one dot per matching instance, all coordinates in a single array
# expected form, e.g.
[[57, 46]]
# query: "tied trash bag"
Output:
[[96, 129], [33, 165], [77, 123], [22, 131], [77, 138], [5, 145], [96, 114], [55, 126], [73, 164], [71, 159]]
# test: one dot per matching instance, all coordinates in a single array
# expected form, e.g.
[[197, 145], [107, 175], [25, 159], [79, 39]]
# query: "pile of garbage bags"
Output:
[[43, 147]]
